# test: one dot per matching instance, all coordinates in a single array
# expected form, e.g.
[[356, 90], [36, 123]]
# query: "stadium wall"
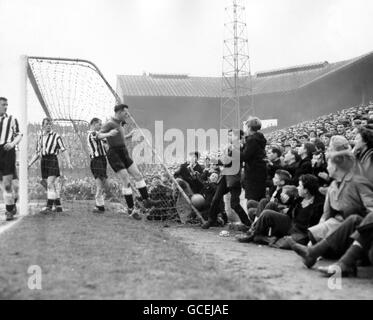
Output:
[[348, 87], [175, 112]]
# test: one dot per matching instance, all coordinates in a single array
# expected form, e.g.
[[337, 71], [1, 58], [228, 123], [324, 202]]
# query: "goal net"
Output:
[[71, 93]]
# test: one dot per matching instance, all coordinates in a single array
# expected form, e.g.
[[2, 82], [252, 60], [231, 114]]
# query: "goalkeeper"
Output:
[[120, 160]]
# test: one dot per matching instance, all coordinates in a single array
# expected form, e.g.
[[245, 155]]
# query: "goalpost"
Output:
[[72, 92], [23, 123]]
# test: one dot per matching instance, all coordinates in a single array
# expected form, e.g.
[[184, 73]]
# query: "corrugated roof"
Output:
[[210, 87]]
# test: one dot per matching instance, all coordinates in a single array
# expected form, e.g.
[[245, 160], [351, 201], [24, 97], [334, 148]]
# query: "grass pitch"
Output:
[[109, 256]]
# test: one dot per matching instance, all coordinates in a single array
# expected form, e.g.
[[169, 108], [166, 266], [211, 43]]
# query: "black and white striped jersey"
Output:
[[49, 144], [9, 129], [95, 145]]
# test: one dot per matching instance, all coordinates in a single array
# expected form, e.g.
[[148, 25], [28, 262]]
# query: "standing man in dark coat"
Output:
[[229, 182], [253, 155]]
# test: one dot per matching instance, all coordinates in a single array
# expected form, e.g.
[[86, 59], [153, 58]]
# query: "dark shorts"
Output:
[[49, 167], [7, 162], [119, 158], [98, 167]]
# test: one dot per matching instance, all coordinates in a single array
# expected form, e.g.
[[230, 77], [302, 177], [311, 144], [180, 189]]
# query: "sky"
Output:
[[177, 36]]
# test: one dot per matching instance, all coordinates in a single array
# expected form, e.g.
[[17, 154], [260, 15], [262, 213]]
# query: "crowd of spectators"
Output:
[[319, 189]]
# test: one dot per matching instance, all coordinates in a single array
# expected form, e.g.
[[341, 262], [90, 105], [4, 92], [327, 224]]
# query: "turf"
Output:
[[90, 256]]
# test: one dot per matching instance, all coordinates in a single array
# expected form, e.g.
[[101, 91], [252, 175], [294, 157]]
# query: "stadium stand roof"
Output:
[[182, 85]]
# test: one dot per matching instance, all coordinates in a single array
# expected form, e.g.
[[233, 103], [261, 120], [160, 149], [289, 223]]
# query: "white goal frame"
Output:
[[27, 74]]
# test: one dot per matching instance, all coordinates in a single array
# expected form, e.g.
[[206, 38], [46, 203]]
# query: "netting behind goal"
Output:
[[72, 92]]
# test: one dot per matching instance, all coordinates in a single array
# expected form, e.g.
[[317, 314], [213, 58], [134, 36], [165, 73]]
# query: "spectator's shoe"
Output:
[[339, 268], [10, 214], [239, 227], [264, 240], [224, 217], [46, 210], [210, 224], [98, 210], [246, 238], [303, 251], [135, 214]]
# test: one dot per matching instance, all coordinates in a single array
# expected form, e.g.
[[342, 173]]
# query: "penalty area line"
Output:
[[6, 225]]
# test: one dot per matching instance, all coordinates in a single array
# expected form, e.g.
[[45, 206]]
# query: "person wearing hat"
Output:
[[253, 155]]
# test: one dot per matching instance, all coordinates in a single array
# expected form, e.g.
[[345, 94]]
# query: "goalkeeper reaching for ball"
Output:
[[120, 160]]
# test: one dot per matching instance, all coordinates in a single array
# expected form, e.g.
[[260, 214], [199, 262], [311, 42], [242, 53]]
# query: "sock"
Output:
[[141, 186], [319, 249], [100, 201], [128, 196], [353, 254], [51, 198], [9, 201]]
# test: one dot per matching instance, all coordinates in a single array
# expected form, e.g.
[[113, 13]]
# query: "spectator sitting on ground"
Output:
[[349, 194], [280, 179], [294, 222]]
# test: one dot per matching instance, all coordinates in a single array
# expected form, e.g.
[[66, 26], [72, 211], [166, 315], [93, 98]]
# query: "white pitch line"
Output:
[[6, 225], [10, 224]]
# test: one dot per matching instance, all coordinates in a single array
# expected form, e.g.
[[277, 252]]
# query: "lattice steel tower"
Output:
[[236, 101]]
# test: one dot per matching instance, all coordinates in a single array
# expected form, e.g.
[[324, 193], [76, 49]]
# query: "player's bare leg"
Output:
[[128, 195], [58, 187], [8, 197], [134, 171], [51, 194], [15, 185]]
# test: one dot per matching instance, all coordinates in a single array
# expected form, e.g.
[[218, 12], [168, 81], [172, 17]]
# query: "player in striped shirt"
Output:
[[10, 137], [49, 145], [97, 154]]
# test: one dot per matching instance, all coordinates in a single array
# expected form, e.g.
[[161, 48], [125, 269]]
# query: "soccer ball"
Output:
[[198, 201]]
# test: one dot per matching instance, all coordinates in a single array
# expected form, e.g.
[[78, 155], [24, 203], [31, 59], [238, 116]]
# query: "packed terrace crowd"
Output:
[[319, 190]]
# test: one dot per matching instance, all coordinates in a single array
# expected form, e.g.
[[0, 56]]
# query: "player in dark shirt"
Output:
[[120, 159]]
